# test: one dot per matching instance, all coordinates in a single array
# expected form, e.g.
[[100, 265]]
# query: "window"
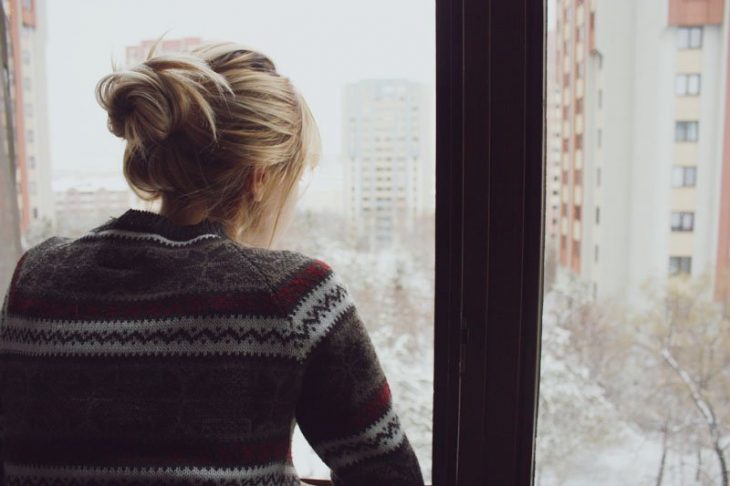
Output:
[[31, 162], [35, 213], [689, 37], [686, 131], [26, 56], [27, 82], [683, 221], [680, 265], [598, 215], [29, 136], [683, 176], [687, 84]]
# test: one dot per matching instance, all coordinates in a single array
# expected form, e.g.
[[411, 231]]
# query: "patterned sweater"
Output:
[[146, 352]]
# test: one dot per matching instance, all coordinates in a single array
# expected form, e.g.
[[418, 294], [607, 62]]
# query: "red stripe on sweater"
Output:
[[291, 291], [247, 303], [374, 408], [120, 452]]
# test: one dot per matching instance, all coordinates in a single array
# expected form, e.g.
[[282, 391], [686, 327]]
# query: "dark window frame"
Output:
[[489, 239]]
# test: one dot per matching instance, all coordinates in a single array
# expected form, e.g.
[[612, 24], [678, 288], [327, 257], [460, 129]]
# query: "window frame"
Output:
[[690, 42], [686, 131], [681, 177], [489, 239], [682, 221], [683, 84]]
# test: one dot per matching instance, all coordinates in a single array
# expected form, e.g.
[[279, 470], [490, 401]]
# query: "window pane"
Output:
[[690, 177], [637, 301], [367, 209], [695, 39], [682, 38], [693, 87], [680, 86], [678, 176]]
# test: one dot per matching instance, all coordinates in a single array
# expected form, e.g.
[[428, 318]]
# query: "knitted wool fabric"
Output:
[[147, 352]]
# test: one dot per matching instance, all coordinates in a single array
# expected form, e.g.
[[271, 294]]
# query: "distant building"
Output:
[[137, 54], [86, 202], [388, 159], [552, 148], [645, 140], [26, 36]]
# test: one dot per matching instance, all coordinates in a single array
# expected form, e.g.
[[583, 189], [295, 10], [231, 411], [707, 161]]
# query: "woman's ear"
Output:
[[259, 176]]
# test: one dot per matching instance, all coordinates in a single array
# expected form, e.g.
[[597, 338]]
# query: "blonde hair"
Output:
[[197, 125]]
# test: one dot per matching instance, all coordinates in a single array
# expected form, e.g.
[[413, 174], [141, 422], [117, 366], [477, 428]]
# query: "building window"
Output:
[[686, 131], [598, 215], [29, 109], [595, 254], [599, 138], [26, 82], [684, 176], [689, 37], [687, 84], [680, 265], [26, 56], [31, 162], [29, 136], [35, 213], [683, 221]]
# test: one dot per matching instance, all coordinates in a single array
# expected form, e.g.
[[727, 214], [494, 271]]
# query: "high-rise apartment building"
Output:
[[553, 151], [388, 157], [26, 39], [644, 140]]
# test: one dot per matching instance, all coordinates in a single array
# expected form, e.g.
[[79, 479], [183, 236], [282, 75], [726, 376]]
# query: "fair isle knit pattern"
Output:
[[146, 352]]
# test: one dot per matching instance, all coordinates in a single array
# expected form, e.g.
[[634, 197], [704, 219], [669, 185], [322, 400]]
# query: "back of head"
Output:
[[198, 124]]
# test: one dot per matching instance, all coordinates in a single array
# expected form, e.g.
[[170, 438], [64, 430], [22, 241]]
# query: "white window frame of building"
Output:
[[683, 221], [686, 130], [689, 37], [684, 176], [686, 84], [680, 264]]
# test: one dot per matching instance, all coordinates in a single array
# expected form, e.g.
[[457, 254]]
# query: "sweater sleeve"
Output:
[[345, 409]]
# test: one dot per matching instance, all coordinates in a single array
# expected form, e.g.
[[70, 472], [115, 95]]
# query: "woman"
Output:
[[177, 347]]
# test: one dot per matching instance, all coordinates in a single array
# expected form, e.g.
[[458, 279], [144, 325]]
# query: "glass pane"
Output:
[[367, 209], [693, 86], [635, 382], [680, 86]]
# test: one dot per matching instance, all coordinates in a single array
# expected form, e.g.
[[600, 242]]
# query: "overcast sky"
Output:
[[319, 44]]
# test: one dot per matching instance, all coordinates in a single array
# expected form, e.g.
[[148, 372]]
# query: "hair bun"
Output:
[[162, 96]]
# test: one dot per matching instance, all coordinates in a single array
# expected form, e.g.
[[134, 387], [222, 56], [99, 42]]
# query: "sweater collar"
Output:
[[142, 221]]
